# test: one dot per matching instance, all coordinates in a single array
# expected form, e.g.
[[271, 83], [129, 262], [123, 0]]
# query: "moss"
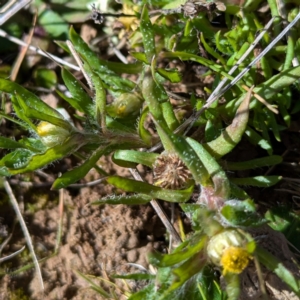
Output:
[[18, 295]]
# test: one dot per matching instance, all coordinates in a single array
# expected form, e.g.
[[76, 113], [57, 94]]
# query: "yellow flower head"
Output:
[[230, 250], [130, 23], [235, 260]]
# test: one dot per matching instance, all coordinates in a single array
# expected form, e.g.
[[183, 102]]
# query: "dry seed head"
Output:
[[170, 172]]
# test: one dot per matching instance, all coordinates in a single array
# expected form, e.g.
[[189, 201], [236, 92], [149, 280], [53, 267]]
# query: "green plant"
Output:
[[223, 211]]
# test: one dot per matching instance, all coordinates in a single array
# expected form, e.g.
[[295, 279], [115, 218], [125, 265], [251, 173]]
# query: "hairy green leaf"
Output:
[[130, 185], [136, 199]]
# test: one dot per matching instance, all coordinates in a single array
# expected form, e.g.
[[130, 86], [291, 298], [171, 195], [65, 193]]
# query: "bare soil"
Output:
[[96, 240], [100, 241]]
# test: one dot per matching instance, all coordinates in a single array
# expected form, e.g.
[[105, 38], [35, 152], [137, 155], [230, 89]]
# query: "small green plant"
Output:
[[223, 212]]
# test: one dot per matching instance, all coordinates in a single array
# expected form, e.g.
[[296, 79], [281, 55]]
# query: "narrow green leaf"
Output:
[[238, 192], [7, 143], [169, 115], [100, 100], [213, 128], [173, 76], [45, 78], [291, 40], [149, 89], [137, 157], [53, 23], [63, 45], [256, 139], [284, 112], [207, 283], [39, 115], [218, 176], [269, 88], [203, 25], [271, 121], [201, 60], [211, 51], [73, 102], [232, 135], [99, 64], [52, 154], [140, 56], [13, 120], [159, 90], [233, 288], [149, 292], [79, 172], [171, 141], [34, 145], [17, 159], [276, 266], [136, 199], [29, 99], [254, 163], [281, 218], [148, 35], [143, 132], [241, 213], [266, 67], [106, 70], [194, 245], [27, 124], [96, 287], [130, 185], [259, 181], [223, 46], [188, 269], [83, 101], [135, 276]]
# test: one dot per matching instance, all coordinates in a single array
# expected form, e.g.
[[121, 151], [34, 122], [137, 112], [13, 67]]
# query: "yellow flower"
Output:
[[130, 23], [235, 260], [228, 250]]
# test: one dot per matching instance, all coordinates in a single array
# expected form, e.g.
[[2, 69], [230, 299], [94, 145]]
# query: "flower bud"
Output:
[[126, 105], [51, 135]]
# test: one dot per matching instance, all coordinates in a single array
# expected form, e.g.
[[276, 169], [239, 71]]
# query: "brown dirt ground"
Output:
[[100, 241], [96, 240]]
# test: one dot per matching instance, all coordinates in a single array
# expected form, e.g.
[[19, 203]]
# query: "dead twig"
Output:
[[161, 214], [15, 205], [8, 257]]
